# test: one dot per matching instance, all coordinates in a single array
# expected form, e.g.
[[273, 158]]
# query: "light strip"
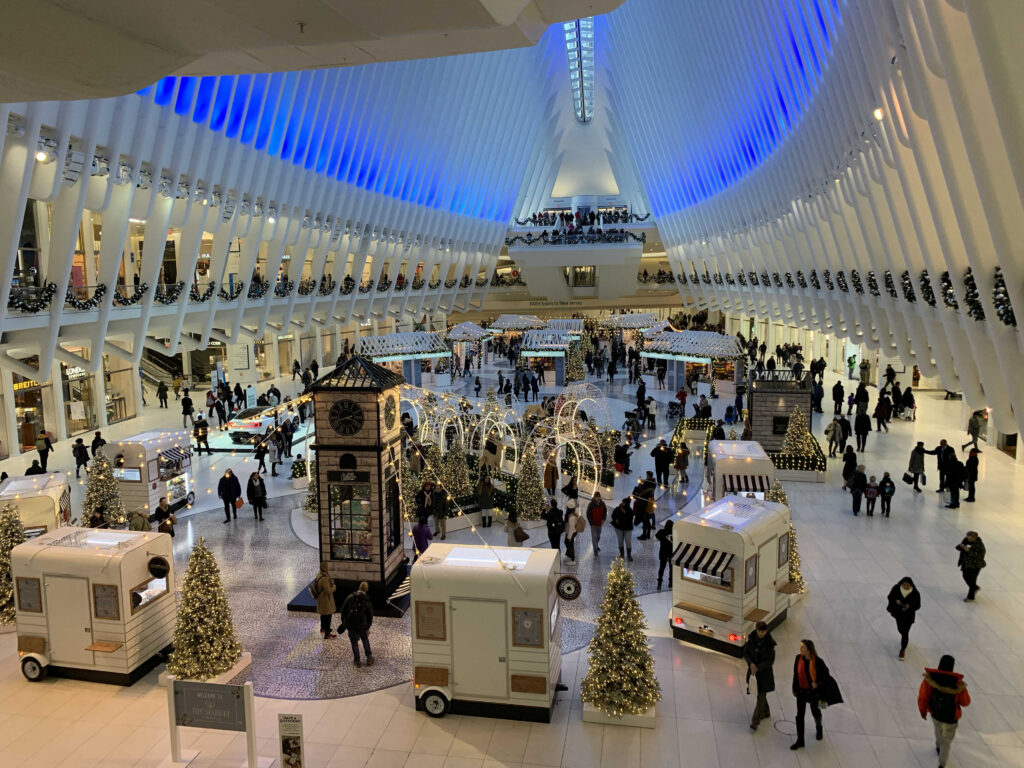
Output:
[[579, 48]]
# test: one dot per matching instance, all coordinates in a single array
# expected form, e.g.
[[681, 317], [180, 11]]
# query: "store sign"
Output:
[[209, 705], [26, 384], [346, 476], [75, 372], [289, 731]]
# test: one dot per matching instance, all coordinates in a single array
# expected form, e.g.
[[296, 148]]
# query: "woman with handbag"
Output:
[[572, 493], [573, 527], [514, 534], [556, 524], [164, 517], [904, 603], [812, 685], [256, 492], [485, 500], [229, 490]]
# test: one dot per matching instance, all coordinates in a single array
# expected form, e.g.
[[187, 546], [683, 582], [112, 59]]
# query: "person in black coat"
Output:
[[838, 397], [256, 492], [229, 489], [904, 603], [971, 473], [556, 524], [954, 480], [809, 675], [845, 431], [759, 654], [858, 483], [664, 537], [662, 461], [849, 465], [862, 428]]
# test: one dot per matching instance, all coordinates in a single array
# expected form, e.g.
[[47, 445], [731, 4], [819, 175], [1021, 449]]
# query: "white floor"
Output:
[[849, 563]]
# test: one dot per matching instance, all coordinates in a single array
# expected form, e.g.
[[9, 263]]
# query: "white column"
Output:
[[10, 419], [53, 403]]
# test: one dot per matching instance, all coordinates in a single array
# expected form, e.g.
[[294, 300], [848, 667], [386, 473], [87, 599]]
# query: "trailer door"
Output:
[[69, 620], [480, 648], [767, 555]]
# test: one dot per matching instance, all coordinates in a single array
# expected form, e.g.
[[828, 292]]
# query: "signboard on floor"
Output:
[[289, 731], [208, 705]]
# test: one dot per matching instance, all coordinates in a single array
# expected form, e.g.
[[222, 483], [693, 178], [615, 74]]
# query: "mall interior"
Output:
[[478, 259]]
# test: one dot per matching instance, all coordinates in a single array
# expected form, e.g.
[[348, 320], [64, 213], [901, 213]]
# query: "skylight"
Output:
[[579, 47]]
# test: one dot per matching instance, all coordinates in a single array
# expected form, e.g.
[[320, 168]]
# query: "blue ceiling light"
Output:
[[579, 47]]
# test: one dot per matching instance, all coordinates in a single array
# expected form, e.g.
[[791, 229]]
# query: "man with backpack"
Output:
[[356, 618], [943, 693]]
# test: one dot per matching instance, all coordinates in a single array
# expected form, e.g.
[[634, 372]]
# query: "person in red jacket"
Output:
[[943, 692], [596, 514]]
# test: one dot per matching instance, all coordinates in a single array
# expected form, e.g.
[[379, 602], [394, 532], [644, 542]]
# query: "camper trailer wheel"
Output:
[[190, 499], [435, 704], [33, 669], [569, 588]]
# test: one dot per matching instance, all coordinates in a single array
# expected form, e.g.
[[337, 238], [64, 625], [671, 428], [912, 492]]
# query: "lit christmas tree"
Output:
[[102, 494], [733, 435], [311, 504], [409, 485], [620, 679], [574, 369], [778, 494], [205, 644], [432, 461], [530, 489], [798, 440], [11, 535], [586, 345], [454, 473]]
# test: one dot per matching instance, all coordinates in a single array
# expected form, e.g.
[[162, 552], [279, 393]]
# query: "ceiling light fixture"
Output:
[[878, 113]]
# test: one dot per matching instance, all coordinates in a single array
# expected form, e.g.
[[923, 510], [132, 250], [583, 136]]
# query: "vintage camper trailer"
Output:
[[43, 501], [730, 570], [153, 464], [93, 604], [486, 631], [737, 467]]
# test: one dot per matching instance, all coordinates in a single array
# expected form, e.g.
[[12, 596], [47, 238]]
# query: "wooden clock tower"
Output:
[[358, 451]]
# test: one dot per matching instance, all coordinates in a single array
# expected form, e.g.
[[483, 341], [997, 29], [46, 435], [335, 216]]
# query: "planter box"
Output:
[[592, 714], [300, 483], [241, 667], [800, 476]]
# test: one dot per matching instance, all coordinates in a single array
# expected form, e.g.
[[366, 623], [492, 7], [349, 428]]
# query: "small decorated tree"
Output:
[[798, 440], [620, 679], [574, 370], [205, 644], [530, 489], [311, 504], [102, 494], [11, 535], [778, 494], [454, 473], [409, 486]]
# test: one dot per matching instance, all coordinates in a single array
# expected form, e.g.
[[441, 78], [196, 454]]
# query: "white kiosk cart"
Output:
[[730, 570], [153, 464], [740, 467], [43, 501], [94, 604], [486, 631]]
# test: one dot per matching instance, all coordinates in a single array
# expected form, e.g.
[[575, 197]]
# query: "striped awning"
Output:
[[746, 483], [174, 454], [702, 559]]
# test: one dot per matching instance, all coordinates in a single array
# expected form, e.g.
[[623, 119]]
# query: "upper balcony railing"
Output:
[[588, 236]]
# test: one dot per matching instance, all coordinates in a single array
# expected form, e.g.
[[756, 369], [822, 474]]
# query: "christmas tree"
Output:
[[798, 440], [409, 485], [205, 644], [102, 494], [620, 679], [778, 494], [454, 473], [11, 535], [574, 364], [530, 489], [311, 504]]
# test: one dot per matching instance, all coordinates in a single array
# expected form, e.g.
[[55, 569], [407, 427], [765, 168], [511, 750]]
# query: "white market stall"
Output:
[[487, 631], [151, 465], [737, 467], [43, 501], [549, 348], [405, 352], [94, 604], [711, 356], [731, 570], [633, 321], [571, 325], [469, 336], [516, 324]]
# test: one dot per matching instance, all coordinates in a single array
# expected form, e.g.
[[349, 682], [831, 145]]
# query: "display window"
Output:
[[285, 356], [77, 387], [307, 350], [723, 580], [118, 383], [349, 519], [28, 407], [147, 592]]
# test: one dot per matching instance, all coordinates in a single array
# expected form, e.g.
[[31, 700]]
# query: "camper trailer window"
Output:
[[430, 620], [147, 592], [528, 626], [783, 549], [750, 573], [554, 617], [128, 474], [349, 512], [30, 598], [722, 580], [34, 530], [105, 602]]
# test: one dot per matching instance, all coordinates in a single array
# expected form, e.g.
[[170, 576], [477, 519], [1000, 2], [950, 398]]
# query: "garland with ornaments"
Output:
[[236, 291], [948, 294], [972, 298], [170, 294], [927, 294], [284, 287], [306, 287], [327, 285], [1001, 300], [127, 301], [258, 289], [195, 295], [85, 304], [43, 298]]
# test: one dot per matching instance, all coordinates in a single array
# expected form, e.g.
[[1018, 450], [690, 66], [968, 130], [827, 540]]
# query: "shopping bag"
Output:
[[239, 503], [519, 534], [908, 478]]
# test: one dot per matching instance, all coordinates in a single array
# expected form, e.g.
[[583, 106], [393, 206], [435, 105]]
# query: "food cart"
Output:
[[43, 501], [153, 464], [731, 570], [487, 631], [737, 467], [94, 604]]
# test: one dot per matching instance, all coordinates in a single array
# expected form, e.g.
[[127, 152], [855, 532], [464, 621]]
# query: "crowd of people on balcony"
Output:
[[661, 277]]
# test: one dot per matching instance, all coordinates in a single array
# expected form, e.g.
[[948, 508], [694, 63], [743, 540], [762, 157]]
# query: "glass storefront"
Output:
[[28, 407], [77, 387], [119, 384], [284, 356]]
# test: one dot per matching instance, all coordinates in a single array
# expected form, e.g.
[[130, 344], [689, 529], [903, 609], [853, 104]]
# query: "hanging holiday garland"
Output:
[[682, 278], [86, 304], [741, 278], [347, 286], [366, 287], [873, 288], [236, 291], [777, 279], [814, 279], [858, 284], [841, 281], [417, 282], [926, 289], [948, 295], [202, 298], [327, 285], [971, 297], [717, 278], [169, 295], [450, 283], [907, 283], [258, 289], [42, 301], [383, 284], [766, 281], [127, 301], [1001, 299], [828, 280], [434, 284], [800, 279], [306, 287], [729, 279], [284, 287], [890, 285], [753, 278]]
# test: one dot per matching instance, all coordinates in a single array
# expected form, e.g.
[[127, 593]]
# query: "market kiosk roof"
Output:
[[545, 343], [635, 321], [571, 325], [692, 346], [358, 374], [467, 332], [517, 323], [412, 345]]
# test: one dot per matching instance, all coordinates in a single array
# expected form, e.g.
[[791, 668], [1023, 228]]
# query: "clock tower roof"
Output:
[[357, 374]]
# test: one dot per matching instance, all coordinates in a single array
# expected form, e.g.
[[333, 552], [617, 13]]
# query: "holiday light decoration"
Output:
[[236, 291], [306, 287], [948, 294], [841, 281], [620, 678], [205, 643], [873, 288], [927, 294], [789, 280], [103, 494], [827, 276], [890, 285], [11, 535], [454, 473], [258, 289], [85, 304], [778, 494], [971, 297], [907, 284], [168, 294], [284, 287], [530, 490], [127, 301], [1001, 299], [800, 450], [327, 285], [741, 279], [814, 279], [409, 486], [298, 469], [310, 504], [800, 279], [202, 298], [574, 369], [43, 298]]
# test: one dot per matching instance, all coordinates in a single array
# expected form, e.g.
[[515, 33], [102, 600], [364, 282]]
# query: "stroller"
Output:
[[675, 409], [633, 428]]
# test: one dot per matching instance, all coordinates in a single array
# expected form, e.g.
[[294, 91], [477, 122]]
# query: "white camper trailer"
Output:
[[43, 501], [153, 464], [730, 569], [94, 604], [486, 631], [739, 467]]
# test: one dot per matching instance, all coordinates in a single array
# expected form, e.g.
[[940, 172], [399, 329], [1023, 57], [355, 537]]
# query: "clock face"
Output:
[[389, 412], [346, 417]]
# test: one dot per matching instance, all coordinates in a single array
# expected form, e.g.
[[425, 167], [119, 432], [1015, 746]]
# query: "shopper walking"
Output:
[[916, 465], [662, 456], [858, 483], [357, 617], [682, 464], [664, 537], [838, 396], [904, 603], [833, 433], [571, 492], [322, 590], [971, 561], [943, 694], [229, 490], [161, 394], [485, 500], [759, 654], [176, 385], [862, 428], [886, 490], [871, 495], [200, 433], [421, 537], [260, 454], [574, 526], [812, 684], [187, 409], [849, 465], [256, 493], [44, 447], [552, 516], [513, 532], [973, 430], [845, 431], [622, 522], [81, 454], [971, 473], [597, 512]]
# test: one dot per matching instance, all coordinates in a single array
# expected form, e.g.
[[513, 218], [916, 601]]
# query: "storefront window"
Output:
[[284, 355], [28, 407], [119, 383], [79, 413], [349, 510], [307, 347]]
